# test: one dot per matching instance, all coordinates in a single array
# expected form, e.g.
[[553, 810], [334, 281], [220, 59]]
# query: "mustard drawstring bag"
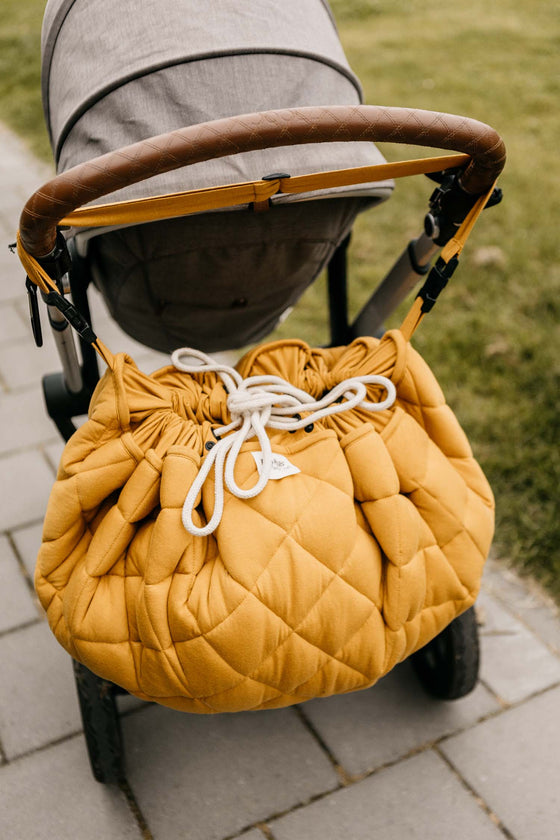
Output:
[[338, 522]]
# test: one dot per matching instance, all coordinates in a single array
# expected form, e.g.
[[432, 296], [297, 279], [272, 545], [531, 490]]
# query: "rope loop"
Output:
[[255, 404]]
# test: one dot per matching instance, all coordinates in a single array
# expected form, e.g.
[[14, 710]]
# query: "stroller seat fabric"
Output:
[[144, 272], [320, 584]]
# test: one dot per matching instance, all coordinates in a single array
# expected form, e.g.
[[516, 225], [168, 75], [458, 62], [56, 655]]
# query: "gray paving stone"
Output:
[[6, 231], [151, 361], [11, 207], [54, 450], [21, 182], [12, 275], [14, 179], [28, 541], [24, 420], [512, 762], [117, 340], [514, 663], [21, 305], [108, 330], [17, 606], [367, 729], [219, 774], [26, 171], [12, 325], [98, 307], [22, 365], [525, 599], [26, 485], [417, 798], [51, 795], [38, 702], [253, 834]]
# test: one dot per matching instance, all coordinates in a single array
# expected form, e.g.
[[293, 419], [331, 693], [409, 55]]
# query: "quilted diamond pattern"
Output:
[[318, 585]]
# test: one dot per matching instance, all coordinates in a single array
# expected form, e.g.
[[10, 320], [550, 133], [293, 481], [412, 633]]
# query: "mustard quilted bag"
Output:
[[222, 540]]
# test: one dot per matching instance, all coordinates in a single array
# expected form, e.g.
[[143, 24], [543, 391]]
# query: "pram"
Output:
[[253, 209]]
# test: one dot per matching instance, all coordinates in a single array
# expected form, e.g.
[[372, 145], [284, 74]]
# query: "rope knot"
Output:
[[255, 404], [246, 400]]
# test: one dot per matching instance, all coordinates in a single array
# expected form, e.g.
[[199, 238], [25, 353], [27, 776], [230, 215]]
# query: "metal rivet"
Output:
[[209, 445]]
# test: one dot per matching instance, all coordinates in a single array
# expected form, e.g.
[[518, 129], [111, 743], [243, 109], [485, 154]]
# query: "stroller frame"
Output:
[[447, 667]]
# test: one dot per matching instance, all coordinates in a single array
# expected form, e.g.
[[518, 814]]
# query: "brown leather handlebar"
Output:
[[95, 178]]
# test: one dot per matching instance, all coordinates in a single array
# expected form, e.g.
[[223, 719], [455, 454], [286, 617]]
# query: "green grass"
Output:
[[20, 72], [493, 340]]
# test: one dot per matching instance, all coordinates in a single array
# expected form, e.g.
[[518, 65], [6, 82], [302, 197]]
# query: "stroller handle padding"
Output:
[[115, 170]]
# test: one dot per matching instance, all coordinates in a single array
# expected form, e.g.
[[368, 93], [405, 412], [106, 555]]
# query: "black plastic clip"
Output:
[[34, 312], [436, 281], [495, 198], [77, 321], [58, 262]]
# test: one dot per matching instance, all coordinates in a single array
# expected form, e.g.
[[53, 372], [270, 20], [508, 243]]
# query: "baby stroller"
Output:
[[271, 193]]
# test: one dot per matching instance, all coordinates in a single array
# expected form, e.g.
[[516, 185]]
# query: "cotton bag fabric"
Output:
[[337, 570]]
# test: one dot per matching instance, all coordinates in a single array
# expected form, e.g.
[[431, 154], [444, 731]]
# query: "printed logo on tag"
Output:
[[281, 467]]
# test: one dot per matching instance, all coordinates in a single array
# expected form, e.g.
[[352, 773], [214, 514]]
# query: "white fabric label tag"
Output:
[[281, 467]]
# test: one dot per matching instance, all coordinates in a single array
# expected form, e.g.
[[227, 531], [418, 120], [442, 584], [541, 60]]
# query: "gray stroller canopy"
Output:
[[117, 72]]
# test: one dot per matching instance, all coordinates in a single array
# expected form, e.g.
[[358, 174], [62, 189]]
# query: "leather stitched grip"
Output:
[[95, 178]]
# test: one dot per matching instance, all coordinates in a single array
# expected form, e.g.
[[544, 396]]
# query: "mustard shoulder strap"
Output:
[[172, 205], [196, 201]]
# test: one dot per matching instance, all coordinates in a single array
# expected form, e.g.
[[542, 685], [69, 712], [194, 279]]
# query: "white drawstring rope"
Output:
[[254, 404]]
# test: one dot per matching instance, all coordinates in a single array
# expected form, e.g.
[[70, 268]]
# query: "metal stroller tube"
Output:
[[66, 347], [93, 179]]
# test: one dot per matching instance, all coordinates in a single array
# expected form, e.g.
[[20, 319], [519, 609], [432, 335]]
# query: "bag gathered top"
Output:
[[223, 539]]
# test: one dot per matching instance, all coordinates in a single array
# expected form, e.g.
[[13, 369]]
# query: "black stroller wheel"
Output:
[[101, 725], [447, 667]]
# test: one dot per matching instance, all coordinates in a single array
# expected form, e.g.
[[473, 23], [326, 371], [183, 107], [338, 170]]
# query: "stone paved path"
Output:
[[385, 763]]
